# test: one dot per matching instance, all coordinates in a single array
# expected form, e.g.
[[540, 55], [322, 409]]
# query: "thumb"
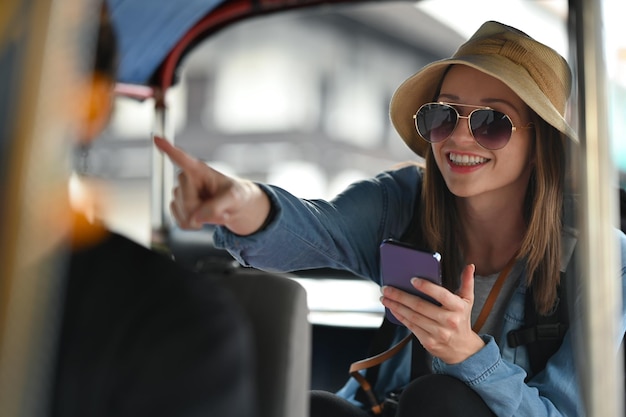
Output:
[[466, 291]]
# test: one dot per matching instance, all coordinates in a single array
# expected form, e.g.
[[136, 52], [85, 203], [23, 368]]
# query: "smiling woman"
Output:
[[498, 218]]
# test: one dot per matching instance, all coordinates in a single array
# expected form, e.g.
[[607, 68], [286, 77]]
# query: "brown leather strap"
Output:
[[382, 357], [493, 296], [371, 362]]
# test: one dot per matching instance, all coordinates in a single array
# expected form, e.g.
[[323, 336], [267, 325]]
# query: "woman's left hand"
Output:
[[445, 331]]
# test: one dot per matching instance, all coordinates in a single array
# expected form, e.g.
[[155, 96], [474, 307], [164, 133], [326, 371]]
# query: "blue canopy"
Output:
[[149, 29]]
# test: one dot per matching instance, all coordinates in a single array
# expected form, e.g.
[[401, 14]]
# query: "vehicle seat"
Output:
[[278, 312]]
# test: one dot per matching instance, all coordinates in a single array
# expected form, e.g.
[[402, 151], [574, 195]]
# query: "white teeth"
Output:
[[466, 159]]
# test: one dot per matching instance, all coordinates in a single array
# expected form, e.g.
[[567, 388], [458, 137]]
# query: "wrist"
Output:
[[473, 346], [256, 214]]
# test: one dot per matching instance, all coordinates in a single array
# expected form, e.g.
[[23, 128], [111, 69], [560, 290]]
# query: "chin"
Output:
[[461, 190]]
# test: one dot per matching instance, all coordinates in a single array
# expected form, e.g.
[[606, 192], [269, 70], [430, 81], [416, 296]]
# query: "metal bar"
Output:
[[600, 369], [159, 194]]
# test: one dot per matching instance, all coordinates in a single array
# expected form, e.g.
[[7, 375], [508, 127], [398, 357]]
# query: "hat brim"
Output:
[[421, 88]]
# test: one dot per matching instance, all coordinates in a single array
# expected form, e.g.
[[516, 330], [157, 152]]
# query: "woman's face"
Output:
[[501, 173]]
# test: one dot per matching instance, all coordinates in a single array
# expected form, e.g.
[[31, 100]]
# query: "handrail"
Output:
[[599, 369], [138, 92]]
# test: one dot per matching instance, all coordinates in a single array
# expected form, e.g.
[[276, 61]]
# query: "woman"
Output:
[[489, 122]]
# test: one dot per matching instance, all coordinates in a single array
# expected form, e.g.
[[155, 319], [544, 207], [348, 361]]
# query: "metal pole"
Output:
[[600, 369], [160, 180]]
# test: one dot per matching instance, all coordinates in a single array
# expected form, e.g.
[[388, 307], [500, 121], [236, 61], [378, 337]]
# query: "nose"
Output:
[[462, 132]]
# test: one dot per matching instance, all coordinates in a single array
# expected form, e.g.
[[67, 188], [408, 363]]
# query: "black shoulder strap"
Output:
[[542, 335]]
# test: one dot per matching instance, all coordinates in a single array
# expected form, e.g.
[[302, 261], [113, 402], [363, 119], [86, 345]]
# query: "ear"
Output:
[[96, 107]]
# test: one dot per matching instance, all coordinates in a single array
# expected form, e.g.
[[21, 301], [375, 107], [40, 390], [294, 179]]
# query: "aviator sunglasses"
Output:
[[490, 128]]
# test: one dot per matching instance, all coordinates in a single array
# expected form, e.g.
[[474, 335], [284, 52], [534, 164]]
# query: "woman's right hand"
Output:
[[445, 331], [204, 195]]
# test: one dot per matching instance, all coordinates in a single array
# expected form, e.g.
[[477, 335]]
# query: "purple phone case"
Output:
[[399, 263]]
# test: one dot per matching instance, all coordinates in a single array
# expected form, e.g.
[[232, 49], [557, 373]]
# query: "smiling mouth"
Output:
[[466, 160]]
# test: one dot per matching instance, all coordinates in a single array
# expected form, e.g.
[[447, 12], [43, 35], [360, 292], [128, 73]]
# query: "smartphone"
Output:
[[399, 262]]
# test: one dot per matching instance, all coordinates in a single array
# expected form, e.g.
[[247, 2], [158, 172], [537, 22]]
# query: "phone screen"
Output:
[[399, 262]]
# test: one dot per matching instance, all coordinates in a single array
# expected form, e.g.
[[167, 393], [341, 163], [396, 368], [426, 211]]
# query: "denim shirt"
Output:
[[346, 232]]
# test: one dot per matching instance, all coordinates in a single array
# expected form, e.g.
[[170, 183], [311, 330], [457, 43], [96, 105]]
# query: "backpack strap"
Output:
[[542, 335]]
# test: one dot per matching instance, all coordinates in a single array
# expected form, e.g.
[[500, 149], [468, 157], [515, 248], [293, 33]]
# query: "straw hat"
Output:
[[535, 72]]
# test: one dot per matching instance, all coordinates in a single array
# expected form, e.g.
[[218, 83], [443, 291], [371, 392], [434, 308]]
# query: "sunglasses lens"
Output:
[[435, 122], [491, 129]]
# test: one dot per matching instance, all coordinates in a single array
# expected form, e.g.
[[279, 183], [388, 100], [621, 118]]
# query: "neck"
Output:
[[492, 232]]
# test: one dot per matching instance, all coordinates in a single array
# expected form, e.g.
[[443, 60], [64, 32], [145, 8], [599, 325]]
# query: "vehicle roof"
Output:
[[149, 29]]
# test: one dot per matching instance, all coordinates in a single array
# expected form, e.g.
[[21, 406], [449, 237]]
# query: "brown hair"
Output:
[[541, 245]]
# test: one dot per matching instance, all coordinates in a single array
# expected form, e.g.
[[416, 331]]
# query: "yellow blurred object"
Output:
[[87, 196]]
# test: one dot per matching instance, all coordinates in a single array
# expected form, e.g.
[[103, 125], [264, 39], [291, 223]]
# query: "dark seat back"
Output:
[[277, 308]]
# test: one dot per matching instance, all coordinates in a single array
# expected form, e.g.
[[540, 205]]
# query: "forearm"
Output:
[[301, 235], [343, 233], [308, 234]]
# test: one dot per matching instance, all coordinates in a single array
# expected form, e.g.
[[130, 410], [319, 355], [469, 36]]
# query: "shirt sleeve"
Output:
[[553, 392], [342, 233]]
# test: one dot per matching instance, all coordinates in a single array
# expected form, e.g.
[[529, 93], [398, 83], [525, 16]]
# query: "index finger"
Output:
[[176, 155]]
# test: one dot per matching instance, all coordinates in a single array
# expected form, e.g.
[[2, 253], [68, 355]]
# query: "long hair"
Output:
[[543, 212], [541, 246]]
